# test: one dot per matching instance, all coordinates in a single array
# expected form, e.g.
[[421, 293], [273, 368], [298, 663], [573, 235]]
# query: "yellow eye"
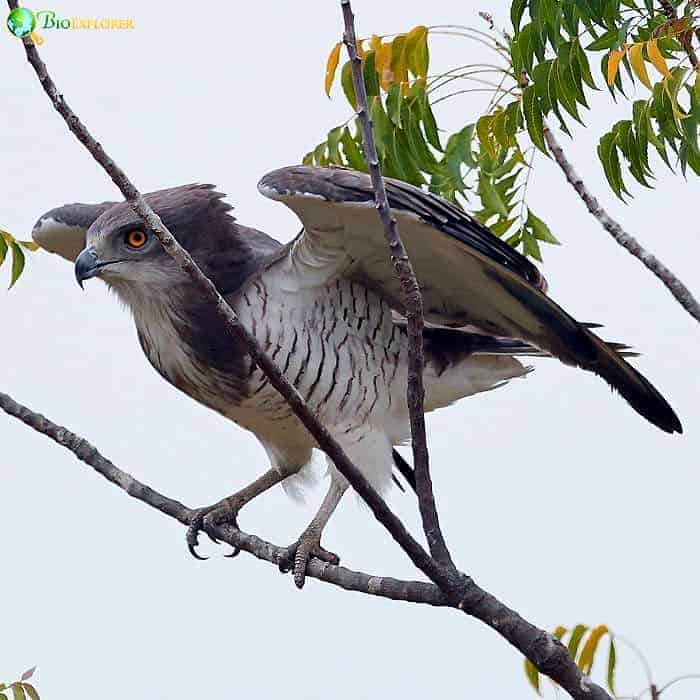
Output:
[[136, 239]]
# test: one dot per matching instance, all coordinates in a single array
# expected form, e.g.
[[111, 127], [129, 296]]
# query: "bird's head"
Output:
[[129, 258]]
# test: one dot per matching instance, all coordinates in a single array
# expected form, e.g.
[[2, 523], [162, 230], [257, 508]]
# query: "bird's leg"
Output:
[[226, 511], [297, 555]]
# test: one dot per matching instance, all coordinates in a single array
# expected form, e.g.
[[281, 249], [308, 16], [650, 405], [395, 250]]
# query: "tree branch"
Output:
[[411, 591], [413, 303], [545, 651], [682, 294]]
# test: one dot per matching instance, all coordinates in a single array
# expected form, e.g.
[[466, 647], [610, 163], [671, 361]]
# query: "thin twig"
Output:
[[413, 302], [682, 294], [546, 652]]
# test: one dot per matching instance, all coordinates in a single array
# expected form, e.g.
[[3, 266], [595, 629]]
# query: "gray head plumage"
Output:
[[200, 220]]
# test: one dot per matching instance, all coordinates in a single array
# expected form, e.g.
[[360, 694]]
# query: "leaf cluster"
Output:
[[21, 689], [482, 160], [551, 54], [9, 244]]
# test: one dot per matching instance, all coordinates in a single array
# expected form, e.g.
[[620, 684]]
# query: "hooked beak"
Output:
[[87, 265]]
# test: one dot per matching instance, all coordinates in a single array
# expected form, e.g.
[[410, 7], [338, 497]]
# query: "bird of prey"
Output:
[[327, 307]]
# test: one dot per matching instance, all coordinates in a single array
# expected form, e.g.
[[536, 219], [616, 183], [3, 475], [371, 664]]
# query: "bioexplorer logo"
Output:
[[23, 22]]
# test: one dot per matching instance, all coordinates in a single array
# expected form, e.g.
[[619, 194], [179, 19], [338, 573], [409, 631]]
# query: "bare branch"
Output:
[[413, 303], [682, 294], [545, 651], [411, 591]]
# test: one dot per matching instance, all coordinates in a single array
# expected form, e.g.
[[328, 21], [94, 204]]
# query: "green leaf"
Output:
[[490, 197], [347, 85], [31, 691], [540, 230], [531, 247], [333, 141], [516, 13], [405, 160], [419, 149], [393, 104], [604, 42], [352, 151], [533, 118], [484, 132], [575, 639], [498, 127], [584, 66], [565, 89], [612, 661], [533, 675], [18, 692], [501, 227], [3, 249], [383, 128], [320, 157], [369, 73], [526, 41], [430, 125], [417, 55], [607, 152], [17, 263]]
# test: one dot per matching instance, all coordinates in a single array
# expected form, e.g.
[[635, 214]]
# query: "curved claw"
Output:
[[234, 553], [205, 520], [193, 552]]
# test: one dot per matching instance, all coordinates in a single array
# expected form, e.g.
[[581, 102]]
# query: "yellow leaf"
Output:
[[585, 661], [383, 63], [375, 42], [614, 64], [638, 65], [657, 59], [559, 632], [332, 66]]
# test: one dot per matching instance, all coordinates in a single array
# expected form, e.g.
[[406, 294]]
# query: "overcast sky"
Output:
[[554, 494]]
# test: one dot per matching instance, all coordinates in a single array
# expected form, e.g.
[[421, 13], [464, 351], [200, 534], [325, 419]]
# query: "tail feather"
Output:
[[405, 469], [639, 392]]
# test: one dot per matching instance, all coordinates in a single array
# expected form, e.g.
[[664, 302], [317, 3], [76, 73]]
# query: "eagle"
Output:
[[327, 308]]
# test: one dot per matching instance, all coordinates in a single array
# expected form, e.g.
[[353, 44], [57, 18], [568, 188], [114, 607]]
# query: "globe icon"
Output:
[[21, 22]]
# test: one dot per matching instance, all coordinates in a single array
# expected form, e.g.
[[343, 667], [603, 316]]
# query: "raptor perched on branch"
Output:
[[327, 308]]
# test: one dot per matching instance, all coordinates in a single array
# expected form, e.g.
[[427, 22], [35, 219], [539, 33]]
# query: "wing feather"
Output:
[[468, 277]]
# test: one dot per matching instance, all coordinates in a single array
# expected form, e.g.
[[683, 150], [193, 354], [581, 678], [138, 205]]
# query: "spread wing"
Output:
[[468, 277], [62, 230]]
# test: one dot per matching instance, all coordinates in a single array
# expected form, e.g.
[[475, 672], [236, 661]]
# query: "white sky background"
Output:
[[553, 493]]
